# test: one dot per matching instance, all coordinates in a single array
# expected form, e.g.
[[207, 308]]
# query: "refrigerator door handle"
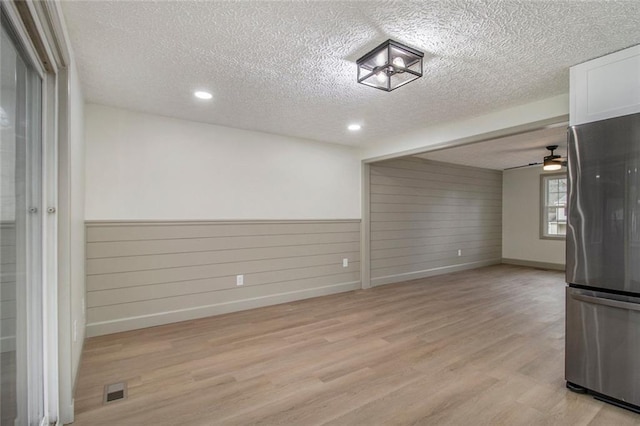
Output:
[[606, 302]]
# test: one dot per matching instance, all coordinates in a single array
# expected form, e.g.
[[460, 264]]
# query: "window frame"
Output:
[[544, 177]]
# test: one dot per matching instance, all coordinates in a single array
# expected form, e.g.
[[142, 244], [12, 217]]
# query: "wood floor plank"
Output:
[[479, 347]]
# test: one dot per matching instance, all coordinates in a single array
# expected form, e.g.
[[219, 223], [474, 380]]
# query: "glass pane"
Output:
[[12, 161], [562, 214], [554, 220], [21, 369], [404, 59], [562, 185], [562, 199], [401, 78], [379, 80], [562, 228]]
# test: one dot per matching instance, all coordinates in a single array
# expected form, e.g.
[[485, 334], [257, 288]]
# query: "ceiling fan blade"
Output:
[[562, 161], [524, 165]]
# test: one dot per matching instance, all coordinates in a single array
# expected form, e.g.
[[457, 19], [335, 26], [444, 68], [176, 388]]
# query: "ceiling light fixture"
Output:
[[354, 127], [552, 162], [390, 66], [202, 95]]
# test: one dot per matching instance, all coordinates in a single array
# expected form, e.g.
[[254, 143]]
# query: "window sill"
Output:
[[553, 238]]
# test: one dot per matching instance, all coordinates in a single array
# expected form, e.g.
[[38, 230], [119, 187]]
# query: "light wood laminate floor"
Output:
[[480, 347]]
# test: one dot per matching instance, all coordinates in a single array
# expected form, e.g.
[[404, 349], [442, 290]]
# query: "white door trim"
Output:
[[45, 28]]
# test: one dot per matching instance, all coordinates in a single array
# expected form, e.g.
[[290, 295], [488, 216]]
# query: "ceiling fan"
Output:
[[550, 162]]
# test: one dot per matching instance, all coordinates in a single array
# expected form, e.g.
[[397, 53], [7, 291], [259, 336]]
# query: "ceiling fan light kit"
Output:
[[552, 162], [389, 66], [550, 165]]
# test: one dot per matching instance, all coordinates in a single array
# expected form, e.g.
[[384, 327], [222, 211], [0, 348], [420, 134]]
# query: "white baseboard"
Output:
[[390, 279], [134, 323], [7, 344], [535, 264], [67, 415]]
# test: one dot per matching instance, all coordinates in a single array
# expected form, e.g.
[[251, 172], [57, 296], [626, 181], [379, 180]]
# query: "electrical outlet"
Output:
[[459, 252], [75, 330], [239, 279], [345, 262]]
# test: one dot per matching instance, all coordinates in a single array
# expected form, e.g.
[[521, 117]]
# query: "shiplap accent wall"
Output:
[[141, 274], [422, 212]]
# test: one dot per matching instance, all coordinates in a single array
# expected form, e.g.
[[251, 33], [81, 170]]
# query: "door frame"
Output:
[[39, 27]]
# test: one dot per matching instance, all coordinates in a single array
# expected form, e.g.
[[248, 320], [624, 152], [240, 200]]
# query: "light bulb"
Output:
[[552, 166], [354, 127], [398, 62], [382, 77], [203, 95]]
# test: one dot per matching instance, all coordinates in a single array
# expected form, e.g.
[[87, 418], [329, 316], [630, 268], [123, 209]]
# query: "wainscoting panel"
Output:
[[423, 212], [141, 274]]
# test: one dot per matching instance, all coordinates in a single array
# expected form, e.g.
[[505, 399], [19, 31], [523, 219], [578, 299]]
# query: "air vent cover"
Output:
[[114, 392]]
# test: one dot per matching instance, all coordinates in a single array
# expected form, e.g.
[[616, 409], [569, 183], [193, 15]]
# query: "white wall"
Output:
[[147, 167], [77, 199], [498, 123], [521, 219], [71, 237]]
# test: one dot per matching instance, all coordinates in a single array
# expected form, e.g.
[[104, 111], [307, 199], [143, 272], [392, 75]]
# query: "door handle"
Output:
[[607, 302]]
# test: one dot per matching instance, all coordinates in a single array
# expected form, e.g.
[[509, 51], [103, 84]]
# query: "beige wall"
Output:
[[423, 212], [141, 274], [521, 220]]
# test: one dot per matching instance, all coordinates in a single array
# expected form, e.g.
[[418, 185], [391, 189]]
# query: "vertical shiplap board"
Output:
[[423, 212], [141, 274]]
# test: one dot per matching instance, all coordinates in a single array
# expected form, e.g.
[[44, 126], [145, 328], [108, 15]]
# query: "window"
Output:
[[554, 206]]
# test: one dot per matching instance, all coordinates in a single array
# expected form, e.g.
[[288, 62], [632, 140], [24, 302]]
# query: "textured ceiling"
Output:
[[503, 153], [288, 67]]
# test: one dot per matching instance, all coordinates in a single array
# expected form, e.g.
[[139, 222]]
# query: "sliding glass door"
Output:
[[21, 324]]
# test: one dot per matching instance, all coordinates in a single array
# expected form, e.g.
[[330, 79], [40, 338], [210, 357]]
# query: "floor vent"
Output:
[[114, 392]]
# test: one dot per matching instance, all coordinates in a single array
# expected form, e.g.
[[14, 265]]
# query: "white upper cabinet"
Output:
[[606, 87]]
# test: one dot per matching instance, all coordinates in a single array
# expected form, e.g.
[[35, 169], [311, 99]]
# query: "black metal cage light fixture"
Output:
[[390, 66]]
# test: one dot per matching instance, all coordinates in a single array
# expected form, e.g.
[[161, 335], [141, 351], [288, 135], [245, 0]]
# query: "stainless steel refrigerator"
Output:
[[603, 261]]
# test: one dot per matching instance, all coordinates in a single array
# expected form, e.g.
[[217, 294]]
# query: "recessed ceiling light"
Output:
[[354, 127], [203, 95]]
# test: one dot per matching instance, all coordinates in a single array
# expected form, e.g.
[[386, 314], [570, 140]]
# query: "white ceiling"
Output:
[[288, 67], [503, 153]]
